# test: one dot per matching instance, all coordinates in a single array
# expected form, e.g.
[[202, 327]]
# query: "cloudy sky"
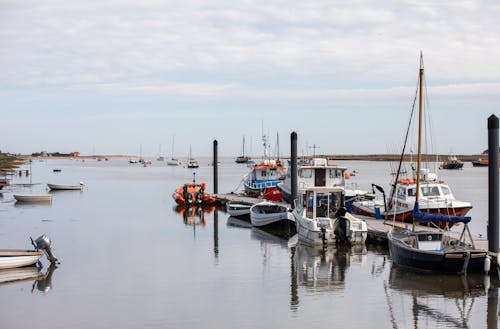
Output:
[[111, 76]]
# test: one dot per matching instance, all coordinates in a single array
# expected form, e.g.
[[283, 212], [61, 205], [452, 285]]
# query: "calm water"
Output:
[[130, 260]]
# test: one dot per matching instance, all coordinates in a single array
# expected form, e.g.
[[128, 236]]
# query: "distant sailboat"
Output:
[[173, 161], [160, 157], [191, 162], [242, 158]]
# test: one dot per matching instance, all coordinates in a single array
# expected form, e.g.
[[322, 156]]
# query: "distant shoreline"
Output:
[[347, 157]]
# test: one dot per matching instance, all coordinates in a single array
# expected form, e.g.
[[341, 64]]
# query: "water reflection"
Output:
[[321, 270], [42, 281], [436, 299], [194, 215]]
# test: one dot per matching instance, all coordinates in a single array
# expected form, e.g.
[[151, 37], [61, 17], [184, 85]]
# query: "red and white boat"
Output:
[[263, 178], [435, 197]]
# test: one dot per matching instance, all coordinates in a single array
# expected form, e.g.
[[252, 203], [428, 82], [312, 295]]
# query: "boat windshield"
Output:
[[429, 191], [325, 204]]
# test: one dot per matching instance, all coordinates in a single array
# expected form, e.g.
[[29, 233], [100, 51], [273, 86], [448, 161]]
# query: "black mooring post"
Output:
[[293, 164], [216, 174], [493, 184]]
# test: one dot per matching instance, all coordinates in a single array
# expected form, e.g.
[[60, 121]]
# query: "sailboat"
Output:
[[173, 161], [160, 157], [191, 162], [429, 249], [242, 158]]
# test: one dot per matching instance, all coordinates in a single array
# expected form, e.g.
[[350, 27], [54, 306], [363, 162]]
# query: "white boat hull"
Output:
[[267, 213], [18, 258], [33, 197], [238, 209], [65, 187]]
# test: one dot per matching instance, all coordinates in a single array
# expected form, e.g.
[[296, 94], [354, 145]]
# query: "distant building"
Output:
[[75, 154]]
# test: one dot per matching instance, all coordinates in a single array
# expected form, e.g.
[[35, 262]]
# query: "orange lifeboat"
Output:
[[192, 194]]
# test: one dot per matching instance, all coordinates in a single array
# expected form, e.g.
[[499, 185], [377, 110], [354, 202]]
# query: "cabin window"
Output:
[[263, 174], [335, 173], [430, 191], [306, 173], [401, 193], [335, 203], [411, 191], [322, 203], [446, 190]]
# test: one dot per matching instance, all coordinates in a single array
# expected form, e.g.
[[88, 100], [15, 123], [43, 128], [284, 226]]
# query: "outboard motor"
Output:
[[43, 243], [341, 226]]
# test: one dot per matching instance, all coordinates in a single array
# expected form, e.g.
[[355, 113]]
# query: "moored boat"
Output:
[[13, 258], [242, 158], [434, 250], [267, 213], [263, 178], [193, 194], [452, 163], [321, 218], [66, 187], [480, 163], [33, 197], [238, 209], [435, 197], [191, 162]]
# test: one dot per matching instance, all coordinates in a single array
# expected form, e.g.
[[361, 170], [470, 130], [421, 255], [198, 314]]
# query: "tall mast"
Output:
[[419, 158]]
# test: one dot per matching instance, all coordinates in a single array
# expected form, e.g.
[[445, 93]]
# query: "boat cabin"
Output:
[[322, 202], [269, 170], [427, 191], [319, 173]]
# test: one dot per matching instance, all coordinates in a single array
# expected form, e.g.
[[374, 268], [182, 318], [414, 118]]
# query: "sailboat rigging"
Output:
[[434, 250]]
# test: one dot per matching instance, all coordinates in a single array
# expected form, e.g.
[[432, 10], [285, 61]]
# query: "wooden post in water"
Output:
[[215, 163], [293, 156], [493, 185]]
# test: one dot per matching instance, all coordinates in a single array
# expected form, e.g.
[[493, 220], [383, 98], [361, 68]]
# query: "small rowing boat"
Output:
[[33, 197], [66, 187]]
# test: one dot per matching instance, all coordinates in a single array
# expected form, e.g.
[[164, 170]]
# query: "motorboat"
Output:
[[192, 194], [13, 258], [452, 163], [66, 187], [267, 213], [480, 163], [435, 197], [238, 209], [321, 218], [263, 178], [33, 197]]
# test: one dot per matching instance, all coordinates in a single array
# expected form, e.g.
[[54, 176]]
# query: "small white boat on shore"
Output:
[[269, 213], [66, 187], [33, 197]]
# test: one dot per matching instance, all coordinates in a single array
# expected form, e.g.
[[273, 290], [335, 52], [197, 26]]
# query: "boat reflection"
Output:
[[323, 270], [42, 281], [234, 222], [194, 215], [436, 299]]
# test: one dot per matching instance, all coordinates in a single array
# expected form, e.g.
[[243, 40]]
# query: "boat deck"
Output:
[[377, 228]]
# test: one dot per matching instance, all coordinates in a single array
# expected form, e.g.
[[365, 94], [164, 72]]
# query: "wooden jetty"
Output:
[[377, 228]]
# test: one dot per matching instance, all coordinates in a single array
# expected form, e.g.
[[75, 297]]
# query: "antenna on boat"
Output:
[[314, 147]]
